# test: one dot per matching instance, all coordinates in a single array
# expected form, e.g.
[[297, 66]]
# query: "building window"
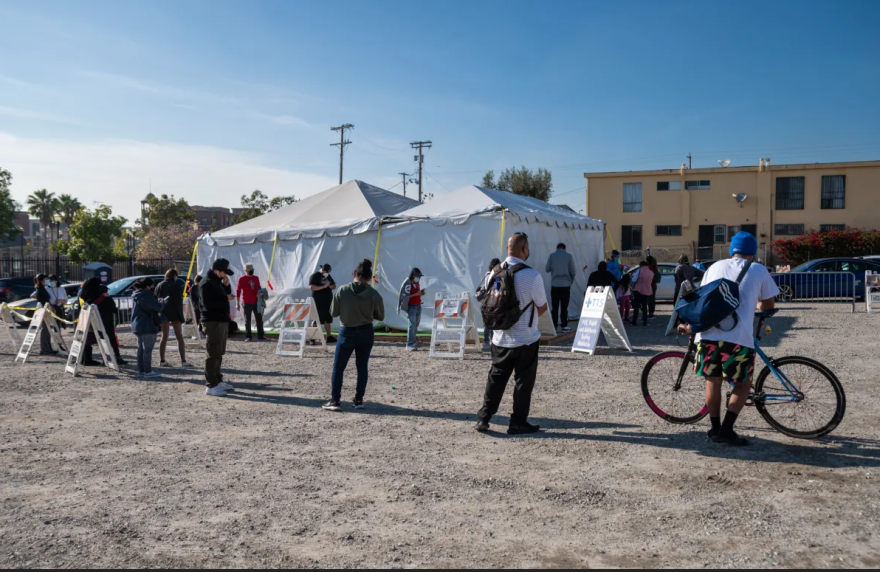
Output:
[[204, 221], [790, 194], [789, 229], [830, 227], [697, 185], [720, 234], [669, 230], [632, 197], [834, 192], [668, 185], [631, 238], [733, 231]]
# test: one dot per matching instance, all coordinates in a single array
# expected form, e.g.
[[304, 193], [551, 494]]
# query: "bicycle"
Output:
[[787, 389]]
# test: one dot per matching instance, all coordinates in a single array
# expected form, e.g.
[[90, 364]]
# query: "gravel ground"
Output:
[[103, 471]]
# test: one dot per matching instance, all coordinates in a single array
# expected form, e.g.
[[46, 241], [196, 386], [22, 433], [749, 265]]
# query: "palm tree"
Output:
[[43, 205], [67, 207]]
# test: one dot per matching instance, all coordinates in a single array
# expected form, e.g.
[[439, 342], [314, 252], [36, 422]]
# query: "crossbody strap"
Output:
[[742, 274]]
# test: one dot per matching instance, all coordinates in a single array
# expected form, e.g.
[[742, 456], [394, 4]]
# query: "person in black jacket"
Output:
[[214, 296], [41, 294], [171, 291], [94, 293], [603, 277]]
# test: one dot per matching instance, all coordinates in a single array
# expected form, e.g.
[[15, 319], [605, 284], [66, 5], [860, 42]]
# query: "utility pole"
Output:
[[342, 143], [690, 161], [404, 175], [421, 159]]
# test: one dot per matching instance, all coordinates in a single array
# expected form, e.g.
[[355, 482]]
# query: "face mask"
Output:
[[325, 274], [250, 272], [50, 284], [416, 279]]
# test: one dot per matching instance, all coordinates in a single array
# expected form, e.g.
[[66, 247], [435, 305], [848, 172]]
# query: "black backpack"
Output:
[[501, 309]]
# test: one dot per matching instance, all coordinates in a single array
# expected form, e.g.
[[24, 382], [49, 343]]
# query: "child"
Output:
[[623, 294]]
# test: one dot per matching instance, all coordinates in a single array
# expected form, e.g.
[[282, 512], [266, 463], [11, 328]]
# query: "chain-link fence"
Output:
[[671, 254]]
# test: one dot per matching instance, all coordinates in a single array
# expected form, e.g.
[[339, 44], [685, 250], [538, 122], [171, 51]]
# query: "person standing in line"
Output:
[[194, 300], [357, 305], [170, 291], [94, 293], [322, 286], [643, 281], [58, 297], [215, 294], [698, 264], [624, 295], [614, 266], [560, 265], [42, 296], [602, 278], [730, 354], [482, 292], [249, 290], [684, 271], [146, 322], [515, 350], [658, 277], [410, 297]]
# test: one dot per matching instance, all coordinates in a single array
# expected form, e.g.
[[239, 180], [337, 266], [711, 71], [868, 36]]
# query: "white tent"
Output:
[[451, 240]]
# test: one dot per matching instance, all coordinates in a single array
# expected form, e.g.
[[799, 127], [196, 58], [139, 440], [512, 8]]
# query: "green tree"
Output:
[[175, 242], [95, 236], [44, 205], [7, 206], [258, 204], [67, 207], [537, 184], [167, 211]]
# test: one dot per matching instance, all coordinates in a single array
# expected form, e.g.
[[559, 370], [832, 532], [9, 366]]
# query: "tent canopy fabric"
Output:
[[352, 207], [458, 206]]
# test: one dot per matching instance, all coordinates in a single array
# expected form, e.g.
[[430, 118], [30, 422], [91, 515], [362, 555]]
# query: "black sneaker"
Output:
[[482, 427], [712, 434], [731, 439], [332, 405], [92, 363], [522, 429], [120, 361], [331, 340], [358, 403]]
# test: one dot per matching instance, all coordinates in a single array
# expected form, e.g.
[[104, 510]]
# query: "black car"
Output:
[[18, 288]]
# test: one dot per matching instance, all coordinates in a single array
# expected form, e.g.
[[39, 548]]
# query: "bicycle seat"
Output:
[[767, 314]]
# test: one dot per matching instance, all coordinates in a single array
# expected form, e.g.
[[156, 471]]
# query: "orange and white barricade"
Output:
[[453, 325], [297, 328]]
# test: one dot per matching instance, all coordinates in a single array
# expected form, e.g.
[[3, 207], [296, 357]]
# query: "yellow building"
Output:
[[697, 211]]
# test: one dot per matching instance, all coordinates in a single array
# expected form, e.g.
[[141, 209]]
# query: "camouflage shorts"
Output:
[[733, 362]]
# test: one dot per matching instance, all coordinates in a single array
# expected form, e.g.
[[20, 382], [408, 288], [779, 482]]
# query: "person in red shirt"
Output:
[[247, 291]]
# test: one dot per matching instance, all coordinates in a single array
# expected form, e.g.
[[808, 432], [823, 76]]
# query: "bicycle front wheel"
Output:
[[818, 406], [671, 389]]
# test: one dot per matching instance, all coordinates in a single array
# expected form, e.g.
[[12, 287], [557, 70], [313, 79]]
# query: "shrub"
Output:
[[835, 243]]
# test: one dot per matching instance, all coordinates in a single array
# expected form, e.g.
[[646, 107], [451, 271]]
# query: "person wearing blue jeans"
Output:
[[356, 305], [410, 297], [146, 320]]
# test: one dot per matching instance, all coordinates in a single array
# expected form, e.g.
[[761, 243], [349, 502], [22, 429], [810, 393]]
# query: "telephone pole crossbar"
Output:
[[342, 143], [421, 159]]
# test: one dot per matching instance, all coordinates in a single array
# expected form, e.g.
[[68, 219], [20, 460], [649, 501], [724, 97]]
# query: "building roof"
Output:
[[744, 169]]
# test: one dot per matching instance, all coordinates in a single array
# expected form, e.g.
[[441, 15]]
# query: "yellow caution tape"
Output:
[[189, 273], [609, 237], [376, 255], [272, 263]]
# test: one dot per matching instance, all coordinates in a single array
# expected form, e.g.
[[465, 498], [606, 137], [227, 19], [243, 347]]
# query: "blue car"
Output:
[[826, 278]]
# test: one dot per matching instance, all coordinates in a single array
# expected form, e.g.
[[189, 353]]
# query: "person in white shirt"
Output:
[[515, 351], [729, 353]]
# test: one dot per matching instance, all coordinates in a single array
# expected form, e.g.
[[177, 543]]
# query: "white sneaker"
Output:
[[226, 386], [153, 374], [411, 349], [566, 329], [186, 364], [164, 364], [215, 391]]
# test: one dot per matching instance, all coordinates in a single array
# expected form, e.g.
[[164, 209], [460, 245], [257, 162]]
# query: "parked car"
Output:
[[27, 306], [121, 290], [18, 288], [666, 288], [823, 278]]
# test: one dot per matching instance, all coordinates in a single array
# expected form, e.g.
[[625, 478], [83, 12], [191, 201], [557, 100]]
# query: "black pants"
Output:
[[560, 297], [652, 302], [252, 309], [640, 302], [521, 361], [217, 334]]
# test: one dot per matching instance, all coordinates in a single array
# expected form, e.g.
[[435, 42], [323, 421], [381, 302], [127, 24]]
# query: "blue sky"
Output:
[[211, 99]]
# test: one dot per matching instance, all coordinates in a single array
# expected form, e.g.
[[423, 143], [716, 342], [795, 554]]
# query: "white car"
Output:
[[666, 288]]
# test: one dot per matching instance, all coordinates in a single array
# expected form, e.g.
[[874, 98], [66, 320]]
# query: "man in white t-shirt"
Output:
[[515, 351], [725, 353]]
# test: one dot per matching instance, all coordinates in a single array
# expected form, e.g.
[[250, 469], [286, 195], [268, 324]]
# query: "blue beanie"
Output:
[[745, 244]]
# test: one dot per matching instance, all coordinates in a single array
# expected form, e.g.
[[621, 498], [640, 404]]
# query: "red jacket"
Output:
[[248, 287]]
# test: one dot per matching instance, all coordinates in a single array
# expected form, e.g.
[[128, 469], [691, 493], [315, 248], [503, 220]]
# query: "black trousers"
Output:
[[252, 309], [640, 302], [652, 302], [560, 297], [521, 361]]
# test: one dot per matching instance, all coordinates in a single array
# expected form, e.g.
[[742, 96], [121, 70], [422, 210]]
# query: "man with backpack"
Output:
[[727, 350], [514, 302]]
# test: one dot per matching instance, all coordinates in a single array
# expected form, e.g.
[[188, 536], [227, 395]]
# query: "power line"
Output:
[[342, 143], [374, 144], [421, 159], [438, 182]]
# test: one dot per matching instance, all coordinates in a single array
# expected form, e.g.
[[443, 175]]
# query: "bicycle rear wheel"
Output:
[[680, 403], [821, 408]]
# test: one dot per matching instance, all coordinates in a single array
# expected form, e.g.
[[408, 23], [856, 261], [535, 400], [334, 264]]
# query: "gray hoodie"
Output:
[[560, 265]]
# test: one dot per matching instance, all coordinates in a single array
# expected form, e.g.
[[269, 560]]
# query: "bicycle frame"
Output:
[[793, 396]]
